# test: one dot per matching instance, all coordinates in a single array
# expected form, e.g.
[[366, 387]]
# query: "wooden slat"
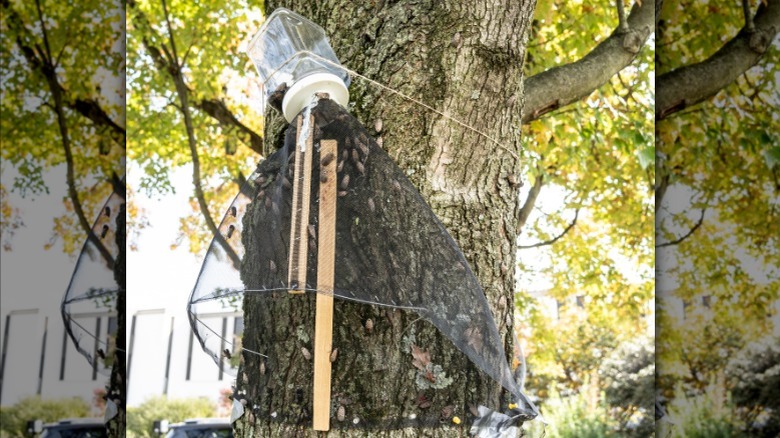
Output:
[[300, 209], [323, 325]]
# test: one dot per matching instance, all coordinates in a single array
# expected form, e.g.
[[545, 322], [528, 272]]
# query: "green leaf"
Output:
[[772, 157], [646, 157]]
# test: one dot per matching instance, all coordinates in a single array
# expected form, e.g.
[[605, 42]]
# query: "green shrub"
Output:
[[629, 387], [140, 420], [570, 417], [699, 417], [755, 376], [13, 419]]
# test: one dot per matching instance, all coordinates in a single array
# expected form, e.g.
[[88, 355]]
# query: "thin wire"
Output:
[[220, 337], [402, 95], [91, 335]]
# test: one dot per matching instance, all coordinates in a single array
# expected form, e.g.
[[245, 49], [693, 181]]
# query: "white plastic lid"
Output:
[[301, 92]]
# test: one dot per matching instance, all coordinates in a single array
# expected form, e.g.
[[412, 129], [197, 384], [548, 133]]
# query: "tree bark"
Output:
[[117, 390], [466, 61]]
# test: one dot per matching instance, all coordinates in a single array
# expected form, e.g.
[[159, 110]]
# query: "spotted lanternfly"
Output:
[[268, 202], [363, 147], [327, 159], [371, 205], [262, 368], [312, 245], [340, 167], [108, 211], [230, 231], [334, 354], [306, 354], [260, 180], [360, 168], [312, 231], [345, 155], [342, 193], [260, 194], [345, 182], [355, 156], [286, 183], [380, 141], [276, 98], [378, 125], [369, 325], [341, 413], [104, 232], [233, 211], [227, 354]]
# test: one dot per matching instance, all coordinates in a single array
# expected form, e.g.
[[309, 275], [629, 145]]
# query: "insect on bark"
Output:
[[306, 354], [327, 159], [334, 354]]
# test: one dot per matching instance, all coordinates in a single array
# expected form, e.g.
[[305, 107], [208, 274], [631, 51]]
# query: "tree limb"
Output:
[[48, 71], [215, 108], [692, 84], [220, 112], [182, 91], [556, 238], [686, 235], [530, 201], [569, 83], [87, 107]]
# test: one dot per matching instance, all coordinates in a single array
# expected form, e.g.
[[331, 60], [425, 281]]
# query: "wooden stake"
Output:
[[323, 325]]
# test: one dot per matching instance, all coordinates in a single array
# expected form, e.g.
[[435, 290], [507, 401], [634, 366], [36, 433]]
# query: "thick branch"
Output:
[[47, 69], [566, 84], [220, 112], [215, 108], [183, 93], [556, 238], [686, 235], [39, 62], [691, 84]]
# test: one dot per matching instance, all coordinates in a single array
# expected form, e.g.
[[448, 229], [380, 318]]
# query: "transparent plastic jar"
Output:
[[290, 49]]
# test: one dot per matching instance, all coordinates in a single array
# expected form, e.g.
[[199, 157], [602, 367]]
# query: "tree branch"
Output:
[[87, 107], [692, 84], [182, 91], [530, 201], [569, 83], [46, 68], [556, 238], [686, 235], [621, 10], [749, 26], [220, 112]]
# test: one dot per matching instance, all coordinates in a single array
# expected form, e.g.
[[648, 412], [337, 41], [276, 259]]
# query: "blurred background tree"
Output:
[[717, 204]]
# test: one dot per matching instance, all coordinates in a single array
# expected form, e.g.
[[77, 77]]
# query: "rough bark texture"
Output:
[[466, 61], [116, 386]]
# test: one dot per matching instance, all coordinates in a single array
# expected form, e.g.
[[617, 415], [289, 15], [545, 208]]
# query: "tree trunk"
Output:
[[465, 60], [116, 386]]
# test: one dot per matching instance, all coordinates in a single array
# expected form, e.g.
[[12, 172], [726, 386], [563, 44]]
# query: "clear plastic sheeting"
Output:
[[89, 305], [391, 250], [492, 424]]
